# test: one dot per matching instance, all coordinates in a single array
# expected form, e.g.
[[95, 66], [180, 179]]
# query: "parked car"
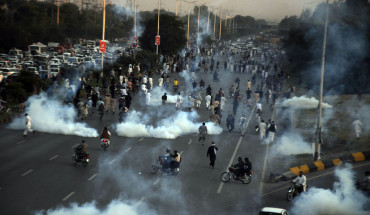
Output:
[[273, 211]]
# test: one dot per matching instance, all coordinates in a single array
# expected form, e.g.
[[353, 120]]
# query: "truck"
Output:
[[16, 52], [37, 49]]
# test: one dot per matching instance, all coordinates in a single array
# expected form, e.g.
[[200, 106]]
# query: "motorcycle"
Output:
[[104, 143], [243, 127], [159, 165], [175, 88], [226, 176], [293, 191], [83, 159], [229, 127]]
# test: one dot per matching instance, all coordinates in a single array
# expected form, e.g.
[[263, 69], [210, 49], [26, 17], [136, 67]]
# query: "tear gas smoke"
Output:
[[290, 144], [181, 123], [343, 199], [115, 207], [304, 102], [157, 93], [49, 115]]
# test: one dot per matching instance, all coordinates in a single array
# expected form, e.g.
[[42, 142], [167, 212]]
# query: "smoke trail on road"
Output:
[[50, 116], [290, 144], [343, 199], [157, 93], [179, 124], [303, 102]]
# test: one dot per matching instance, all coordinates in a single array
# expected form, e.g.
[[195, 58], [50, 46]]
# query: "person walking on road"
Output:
[[164, 99], [211, 153], [272, 129], [178, 101], [202, 132], [28, 125], [147, 98], [358, 127]]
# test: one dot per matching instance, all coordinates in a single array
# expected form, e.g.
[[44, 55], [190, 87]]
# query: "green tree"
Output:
[[171, 31]]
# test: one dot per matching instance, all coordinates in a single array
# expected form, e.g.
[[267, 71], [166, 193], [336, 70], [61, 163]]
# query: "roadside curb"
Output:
[[321, 165]]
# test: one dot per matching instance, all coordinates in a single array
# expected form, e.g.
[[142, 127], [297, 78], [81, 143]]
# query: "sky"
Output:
[[270, 10]]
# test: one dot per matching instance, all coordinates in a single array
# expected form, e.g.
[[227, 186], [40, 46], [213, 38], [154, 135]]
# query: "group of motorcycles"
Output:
[[82, 157]]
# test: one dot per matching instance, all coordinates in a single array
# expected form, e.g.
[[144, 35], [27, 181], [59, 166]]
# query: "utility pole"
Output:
[[209, 13], [219, 36], [198, 23], [159, 11], [318, 140], [135, 33], [187, 44], [103, 38], [214, 25]]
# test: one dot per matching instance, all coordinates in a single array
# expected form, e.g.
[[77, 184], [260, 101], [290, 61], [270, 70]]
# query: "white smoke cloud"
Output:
[[50, 116], [157, 93], [343, 199], [304, 102], [136, 125], [115, 207], [290, 144]]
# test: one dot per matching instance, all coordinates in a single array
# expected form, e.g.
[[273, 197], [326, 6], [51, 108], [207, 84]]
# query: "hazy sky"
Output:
[[260, 9]]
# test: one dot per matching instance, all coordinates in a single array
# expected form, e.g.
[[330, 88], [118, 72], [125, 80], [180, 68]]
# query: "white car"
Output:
[[273, 211]]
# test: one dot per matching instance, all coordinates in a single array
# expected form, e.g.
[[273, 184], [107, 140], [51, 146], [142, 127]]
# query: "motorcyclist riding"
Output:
[[166, 160], [106, 134], [247, 166], [243, 119], [239, 168], [300, 181], [176, 159], [81, 150], [230, 121]]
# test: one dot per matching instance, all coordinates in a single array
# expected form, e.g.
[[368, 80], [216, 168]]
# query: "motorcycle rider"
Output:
[[106, 134], [81, 150], [166, 160], [175, 84], [247, 166], [230, 121], [300, 181], [176, 159], [239, 168], [243, 119]]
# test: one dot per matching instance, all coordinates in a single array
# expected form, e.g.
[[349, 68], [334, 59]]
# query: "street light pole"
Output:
[[318, 140], [219, 36], [135, 33], [159, 11], [187, 44], [214, 26], [103, 38], [209, 12]]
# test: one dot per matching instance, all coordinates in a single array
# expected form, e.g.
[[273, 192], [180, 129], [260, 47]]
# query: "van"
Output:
[[74, 60]]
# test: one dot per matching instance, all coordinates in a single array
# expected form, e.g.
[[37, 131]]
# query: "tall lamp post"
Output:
[[318, 140], [135, 32], [219, 36], [103, 38], [159, 11]]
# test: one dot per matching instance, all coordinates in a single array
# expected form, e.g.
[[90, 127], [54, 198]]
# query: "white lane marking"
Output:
[[189, 142], [236, 149], [141, 139], [141, 200], [75, 146], [181, 152], [52, 158], [110, 163], [69, 195], [156, 181], [92, 177], [265, 160], [128, 149], [28, 172], [22, 141], [264, 168]]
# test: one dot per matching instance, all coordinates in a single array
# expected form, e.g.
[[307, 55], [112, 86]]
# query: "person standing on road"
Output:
[[147, 98], [113, 103], [358, 127], [272, 129], [211, 153], [107, 100], [28, 125], [164, 99], [262, 130], [202, 132]]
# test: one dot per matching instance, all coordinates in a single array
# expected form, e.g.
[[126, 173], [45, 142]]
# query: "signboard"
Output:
[[103, 46], [158, 40]]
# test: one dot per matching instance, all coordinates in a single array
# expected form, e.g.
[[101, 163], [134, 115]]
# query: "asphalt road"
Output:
[[37, 171]]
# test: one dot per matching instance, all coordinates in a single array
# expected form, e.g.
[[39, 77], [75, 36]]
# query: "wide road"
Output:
[[37, 172]]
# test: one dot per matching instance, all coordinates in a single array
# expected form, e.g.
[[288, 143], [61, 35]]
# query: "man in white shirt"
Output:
[[301, 182], [28, 125], [358, 127]]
